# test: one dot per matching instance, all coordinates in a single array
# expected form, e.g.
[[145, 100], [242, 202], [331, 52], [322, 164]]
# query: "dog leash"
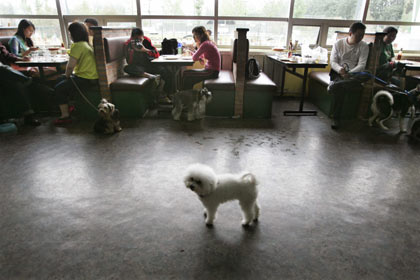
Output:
[[83, 96]]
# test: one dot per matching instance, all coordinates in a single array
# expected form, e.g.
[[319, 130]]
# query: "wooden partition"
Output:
[[239, 64], [108, 71]]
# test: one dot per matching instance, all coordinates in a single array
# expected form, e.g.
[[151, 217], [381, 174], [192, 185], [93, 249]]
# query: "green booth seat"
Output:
[[132, 96], [258, 97], [223, 95], [319, 96]]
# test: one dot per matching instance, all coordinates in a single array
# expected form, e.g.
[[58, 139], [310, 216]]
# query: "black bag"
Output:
[[169, 46], [252, 70]]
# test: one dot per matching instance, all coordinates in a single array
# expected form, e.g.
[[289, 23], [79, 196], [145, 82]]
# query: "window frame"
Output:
[[324, 24]]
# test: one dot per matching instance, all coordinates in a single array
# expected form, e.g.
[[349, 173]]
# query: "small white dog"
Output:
[[214, 190], [195, 101], [108, 121]]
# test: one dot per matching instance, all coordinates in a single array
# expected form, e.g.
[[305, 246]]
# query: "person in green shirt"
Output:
[[81, 68], [387, 62]]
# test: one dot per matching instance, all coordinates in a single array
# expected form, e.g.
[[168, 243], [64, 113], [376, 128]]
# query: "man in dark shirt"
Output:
[[139, 52], [15, 85]]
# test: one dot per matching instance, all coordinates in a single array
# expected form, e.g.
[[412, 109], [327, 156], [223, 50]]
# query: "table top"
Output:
[[296, 64], [42, 61], [410, 65], [174, 60]]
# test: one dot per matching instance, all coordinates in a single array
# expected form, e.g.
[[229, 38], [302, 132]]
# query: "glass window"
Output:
[[332, 36], [305, 34], [261, 8], [407, 37], [177, 7], [393, 10], [329, 9], [103, 7], [47, 31], [121, 24], [158, 29], [30, 7], [261, 33]]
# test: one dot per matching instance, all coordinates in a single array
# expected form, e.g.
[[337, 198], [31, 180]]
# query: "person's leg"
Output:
[[19, 94], [192, 76]]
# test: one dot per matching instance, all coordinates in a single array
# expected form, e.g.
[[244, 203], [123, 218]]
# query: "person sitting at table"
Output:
[[89, 22], [14, 85], [82, 61], [348, 57], [139, 52], [21, 43], [206, 50], [387, 63]]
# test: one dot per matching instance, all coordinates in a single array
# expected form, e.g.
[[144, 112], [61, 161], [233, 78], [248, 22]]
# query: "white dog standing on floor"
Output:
[[214, 190]]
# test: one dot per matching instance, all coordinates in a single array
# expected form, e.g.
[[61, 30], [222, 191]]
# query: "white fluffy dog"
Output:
[[195, 101], [214, 190]]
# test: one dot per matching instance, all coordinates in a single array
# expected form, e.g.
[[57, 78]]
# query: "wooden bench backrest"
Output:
[[109, 67]]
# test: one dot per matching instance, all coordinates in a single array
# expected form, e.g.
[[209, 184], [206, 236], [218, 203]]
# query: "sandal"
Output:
[[63, 121]]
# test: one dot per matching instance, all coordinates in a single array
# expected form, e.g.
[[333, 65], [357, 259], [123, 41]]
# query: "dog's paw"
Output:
[[209, 225], [246, 225]]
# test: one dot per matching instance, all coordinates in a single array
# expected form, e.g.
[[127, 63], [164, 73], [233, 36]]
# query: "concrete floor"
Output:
[[334, 204]]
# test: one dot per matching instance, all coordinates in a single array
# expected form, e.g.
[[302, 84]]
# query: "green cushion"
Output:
[[222, 104], [258, 104], [132, 104]]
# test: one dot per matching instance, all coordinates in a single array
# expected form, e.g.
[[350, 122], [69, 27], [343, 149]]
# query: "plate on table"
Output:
[[170, 57], [53, 49], [186, 58]]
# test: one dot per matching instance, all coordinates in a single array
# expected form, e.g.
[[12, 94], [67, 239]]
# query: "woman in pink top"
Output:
[[206, 50]]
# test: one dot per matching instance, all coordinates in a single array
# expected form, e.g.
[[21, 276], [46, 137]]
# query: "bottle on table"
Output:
[[290, 49], [399, 55], [179, 48]]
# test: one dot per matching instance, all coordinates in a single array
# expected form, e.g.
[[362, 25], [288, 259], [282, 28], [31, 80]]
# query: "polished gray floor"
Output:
[[334, 204]]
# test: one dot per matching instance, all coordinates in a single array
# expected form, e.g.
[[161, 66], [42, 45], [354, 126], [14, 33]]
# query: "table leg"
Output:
[[41, 73], [301, 112], [283, 77]]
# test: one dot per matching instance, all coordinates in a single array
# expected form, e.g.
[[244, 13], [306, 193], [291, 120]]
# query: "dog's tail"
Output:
[[249, 178], [382, 96]]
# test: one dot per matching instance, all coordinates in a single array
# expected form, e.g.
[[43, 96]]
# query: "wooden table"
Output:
[[174, 63], [58, 62], [290, 67]]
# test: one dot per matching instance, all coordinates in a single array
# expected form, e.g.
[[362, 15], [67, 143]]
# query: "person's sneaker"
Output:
[[63, 121], [31, 120], [335, 124]]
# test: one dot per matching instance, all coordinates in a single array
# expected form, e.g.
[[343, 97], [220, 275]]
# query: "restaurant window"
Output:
[[329, 9], [177, 7], [261, 8], [407, 37], [332, 35], [394, 10], [121, 24], [28, 7], [47, 31], [158, 29], [261, 33], [305, 34], [103, 7]]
